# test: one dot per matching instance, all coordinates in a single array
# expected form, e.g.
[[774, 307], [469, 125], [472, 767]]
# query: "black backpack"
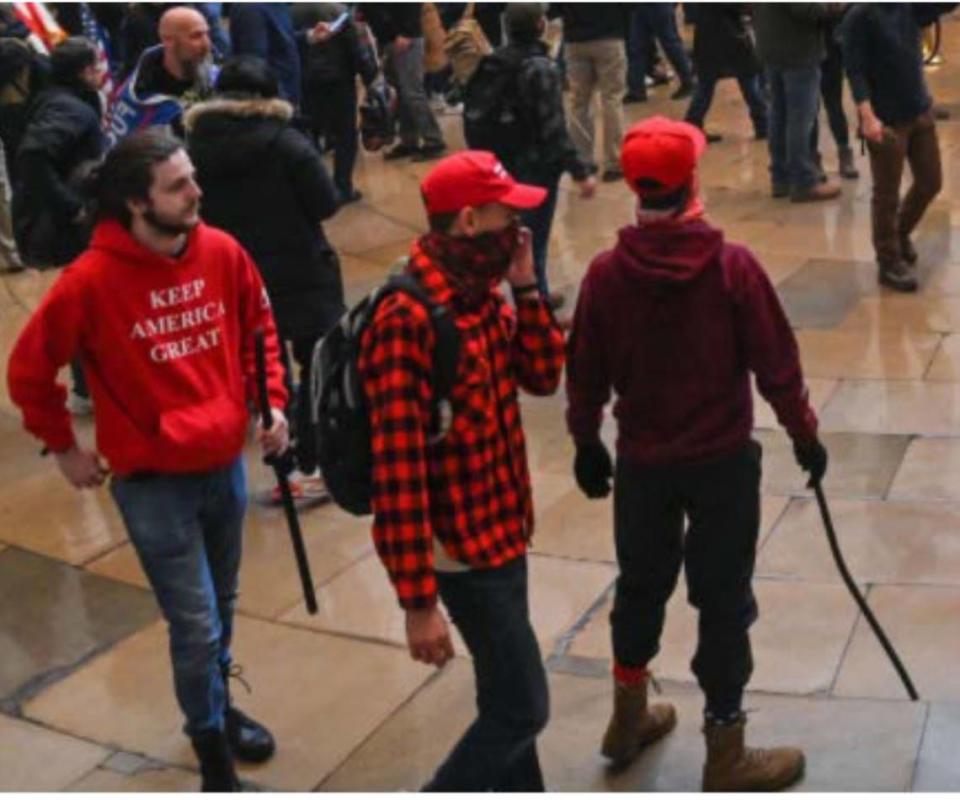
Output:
[[493, 114], [338, 405]]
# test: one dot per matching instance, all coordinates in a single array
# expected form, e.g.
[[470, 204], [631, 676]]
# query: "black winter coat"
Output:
[[723, 43], [265, 183], [62, 138]]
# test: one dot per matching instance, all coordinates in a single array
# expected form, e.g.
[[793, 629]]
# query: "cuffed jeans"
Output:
[[186, 530], [721, 502], [914, 142], [794, 100], [498, 752], [404, 70]]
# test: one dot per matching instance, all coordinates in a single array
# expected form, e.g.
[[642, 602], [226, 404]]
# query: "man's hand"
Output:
[[82, 468], [319, 33], [402, 44], [587, 187], [522, 272], [870, 125], [593, 469], [275, 440], [811, 457], [428, 636]]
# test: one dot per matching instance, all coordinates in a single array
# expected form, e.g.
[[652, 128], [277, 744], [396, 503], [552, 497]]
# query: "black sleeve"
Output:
[[314, 187]]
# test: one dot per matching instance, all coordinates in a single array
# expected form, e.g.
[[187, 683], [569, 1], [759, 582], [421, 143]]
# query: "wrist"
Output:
[[525, 288]]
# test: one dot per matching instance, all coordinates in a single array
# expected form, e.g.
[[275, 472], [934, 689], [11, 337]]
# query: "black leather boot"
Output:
[[216, 762], [249, 740]]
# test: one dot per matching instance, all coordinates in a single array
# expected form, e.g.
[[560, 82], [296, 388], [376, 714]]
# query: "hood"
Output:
[[668, 255], [228, 136], [111, 238]]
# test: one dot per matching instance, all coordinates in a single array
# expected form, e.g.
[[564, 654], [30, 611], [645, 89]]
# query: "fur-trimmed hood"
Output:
[[269, 108], [228, 137]]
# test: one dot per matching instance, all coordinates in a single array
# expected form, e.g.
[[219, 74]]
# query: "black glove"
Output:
[[812, 457], [593, 469]]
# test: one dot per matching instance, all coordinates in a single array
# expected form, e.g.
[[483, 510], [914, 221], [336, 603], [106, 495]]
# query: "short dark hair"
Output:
[[672, 200], [523, 20], [443, 222], [127, 172], [247, 75], [70, 58]]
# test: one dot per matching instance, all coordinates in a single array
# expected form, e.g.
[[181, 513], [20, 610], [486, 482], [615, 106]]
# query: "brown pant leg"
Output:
[[886, 165], [923, 154]]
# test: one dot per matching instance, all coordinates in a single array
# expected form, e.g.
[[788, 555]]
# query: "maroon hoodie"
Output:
[[673, 320]]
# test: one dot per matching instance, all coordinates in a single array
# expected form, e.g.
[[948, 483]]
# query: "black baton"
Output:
[[861, 602], [279, 468]]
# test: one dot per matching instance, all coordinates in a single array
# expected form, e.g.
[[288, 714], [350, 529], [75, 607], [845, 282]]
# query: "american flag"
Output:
[[96, 33]]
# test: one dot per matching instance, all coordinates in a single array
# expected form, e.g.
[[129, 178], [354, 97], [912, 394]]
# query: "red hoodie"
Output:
[[166, 346], [673, 320]]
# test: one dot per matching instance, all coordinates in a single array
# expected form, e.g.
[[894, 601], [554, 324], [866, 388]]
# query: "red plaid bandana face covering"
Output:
[[474, 265]]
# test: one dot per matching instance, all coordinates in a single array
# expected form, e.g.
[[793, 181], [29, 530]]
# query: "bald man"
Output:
[[168, 78]]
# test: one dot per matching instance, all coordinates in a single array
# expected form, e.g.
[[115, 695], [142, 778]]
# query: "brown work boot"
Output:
[[897, 275], [731, 767], [818, 192], [634, 724]]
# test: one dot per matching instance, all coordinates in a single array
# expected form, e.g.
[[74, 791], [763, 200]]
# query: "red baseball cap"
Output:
[[475, 178], [660, 151]]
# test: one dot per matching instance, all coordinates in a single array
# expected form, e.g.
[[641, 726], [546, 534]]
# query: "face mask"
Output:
[[474, 265]]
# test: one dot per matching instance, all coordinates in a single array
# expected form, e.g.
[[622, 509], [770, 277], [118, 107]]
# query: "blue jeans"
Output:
[[186, 530], [794, 100], [749, 88], [650, 22], [540, 221], [499, 751]]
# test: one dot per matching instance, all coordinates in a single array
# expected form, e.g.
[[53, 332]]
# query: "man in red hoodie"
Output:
[[674, 320], [162, 311]]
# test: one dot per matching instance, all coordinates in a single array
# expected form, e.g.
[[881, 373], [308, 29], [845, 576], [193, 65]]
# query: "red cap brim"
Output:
[[523, 196]]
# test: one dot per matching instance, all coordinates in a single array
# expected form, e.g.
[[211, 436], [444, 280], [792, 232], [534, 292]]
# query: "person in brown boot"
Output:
[[733, 767], [674, 319]]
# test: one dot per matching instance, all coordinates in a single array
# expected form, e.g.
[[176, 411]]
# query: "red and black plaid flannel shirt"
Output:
[[471, 489]]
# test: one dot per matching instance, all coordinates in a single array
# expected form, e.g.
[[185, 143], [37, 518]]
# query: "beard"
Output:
[[167, 226]]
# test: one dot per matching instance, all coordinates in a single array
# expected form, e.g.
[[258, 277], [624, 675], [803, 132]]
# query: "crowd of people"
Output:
[[187, 204]]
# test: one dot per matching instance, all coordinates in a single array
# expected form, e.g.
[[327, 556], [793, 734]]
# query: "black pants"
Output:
[[831, 89], [721, 503], [332, 109], [498, 752], [305, 442]]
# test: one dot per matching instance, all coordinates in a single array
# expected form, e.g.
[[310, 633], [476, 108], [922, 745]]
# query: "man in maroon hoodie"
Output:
[[162, 312], [674, 320]]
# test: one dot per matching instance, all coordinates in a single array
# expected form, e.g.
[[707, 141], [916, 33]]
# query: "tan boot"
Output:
[[731, 767], [634, 724]]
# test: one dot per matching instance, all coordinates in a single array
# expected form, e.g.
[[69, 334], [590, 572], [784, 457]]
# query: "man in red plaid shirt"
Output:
[[453, 514]]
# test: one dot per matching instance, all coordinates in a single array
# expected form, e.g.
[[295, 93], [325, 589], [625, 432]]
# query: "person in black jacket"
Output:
[[62, 137], [723, 48], [331, 63], [265, 183]]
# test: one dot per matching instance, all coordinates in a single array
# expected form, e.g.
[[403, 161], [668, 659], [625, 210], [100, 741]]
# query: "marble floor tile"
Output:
[[797, 642], [937, 767], [930, 471], [903, 408], [36, 759], [946, 363], [576, 527], [920, 622], [862, 354], [321, 695], [53, 616], [269, 580], [821, 390], [354, 232], [862, 466], [155, 780], [901, 313], [824, 291], [882, 542], [361, 601]]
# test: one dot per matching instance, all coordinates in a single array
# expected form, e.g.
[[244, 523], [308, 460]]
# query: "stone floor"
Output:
[[85, 695]]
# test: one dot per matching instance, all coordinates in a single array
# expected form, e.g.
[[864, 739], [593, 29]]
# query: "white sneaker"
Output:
[[79, 405]]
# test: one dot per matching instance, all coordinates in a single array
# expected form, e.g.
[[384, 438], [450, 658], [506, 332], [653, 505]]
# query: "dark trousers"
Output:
[[651, 22], [305, 441], [332, 109], [498, 752], [749, 88], [831, 90], [914, 142], [721, 503], [540, 222]]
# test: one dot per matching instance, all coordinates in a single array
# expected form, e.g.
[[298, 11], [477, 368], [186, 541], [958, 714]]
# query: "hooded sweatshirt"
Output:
[[166, 345], [674, 319]]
